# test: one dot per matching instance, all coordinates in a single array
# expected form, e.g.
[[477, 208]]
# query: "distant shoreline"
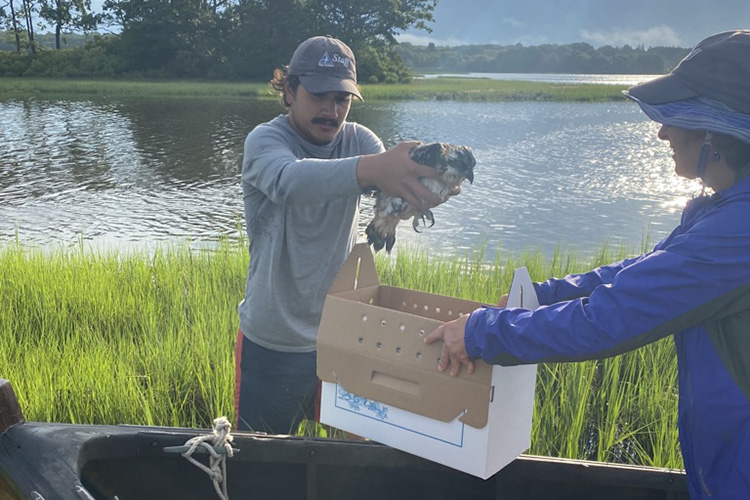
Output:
[[626, 79], [456, 88]]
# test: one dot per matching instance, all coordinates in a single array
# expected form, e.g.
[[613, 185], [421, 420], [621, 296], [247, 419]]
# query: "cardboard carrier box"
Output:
[[381, 381]]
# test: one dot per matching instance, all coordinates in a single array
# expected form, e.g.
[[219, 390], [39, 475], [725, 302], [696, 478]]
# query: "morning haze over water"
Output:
[[138, 172]]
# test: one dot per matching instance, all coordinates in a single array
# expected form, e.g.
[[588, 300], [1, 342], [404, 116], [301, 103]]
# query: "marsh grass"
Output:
[[462, 89], [148, 338], [485, 89], [120, 338], [123, 88]]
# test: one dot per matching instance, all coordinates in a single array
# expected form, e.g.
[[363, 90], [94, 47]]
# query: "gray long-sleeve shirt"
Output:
[[301, 211]]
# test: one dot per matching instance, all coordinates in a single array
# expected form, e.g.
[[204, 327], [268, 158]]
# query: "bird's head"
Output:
[[448, 159], [462, 159]]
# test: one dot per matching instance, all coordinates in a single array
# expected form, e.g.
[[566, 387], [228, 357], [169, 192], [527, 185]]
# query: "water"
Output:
[[135, 173], [569, 78]]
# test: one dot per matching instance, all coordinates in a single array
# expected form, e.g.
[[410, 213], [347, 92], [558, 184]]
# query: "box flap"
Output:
[[358, 270], [379, 354], [377, 351], [522, 293]]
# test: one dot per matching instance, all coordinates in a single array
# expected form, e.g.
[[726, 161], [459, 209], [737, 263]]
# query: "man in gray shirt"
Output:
[[302, 177]]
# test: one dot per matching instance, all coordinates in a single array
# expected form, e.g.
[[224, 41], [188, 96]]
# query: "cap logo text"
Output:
[[329, 62], [344, 61]]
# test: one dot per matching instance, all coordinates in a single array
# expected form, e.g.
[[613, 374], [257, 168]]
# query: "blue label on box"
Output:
[[447, 432]]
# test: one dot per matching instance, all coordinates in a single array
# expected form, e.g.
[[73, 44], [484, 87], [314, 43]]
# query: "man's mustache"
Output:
[[326, 121]]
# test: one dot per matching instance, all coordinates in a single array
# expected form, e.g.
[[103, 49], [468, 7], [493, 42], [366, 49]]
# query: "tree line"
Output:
[[247, 39], [570, 58], [208, 39]]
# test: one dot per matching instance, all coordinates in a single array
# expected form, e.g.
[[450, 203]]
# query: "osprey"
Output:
[[453, 163]]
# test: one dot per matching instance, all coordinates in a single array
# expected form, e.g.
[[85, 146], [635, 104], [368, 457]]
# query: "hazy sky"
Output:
[[669, 23]]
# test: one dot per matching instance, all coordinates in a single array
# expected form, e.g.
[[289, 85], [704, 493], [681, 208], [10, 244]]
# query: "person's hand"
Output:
[[396, 174], [454, 353]]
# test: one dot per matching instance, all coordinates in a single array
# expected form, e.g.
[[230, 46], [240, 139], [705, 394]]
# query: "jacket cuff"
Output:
[[471, 346]]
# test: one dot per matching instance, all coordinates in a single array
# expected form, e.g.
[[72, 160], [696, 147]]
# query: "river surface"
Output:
[[569, 78], [140, 172]]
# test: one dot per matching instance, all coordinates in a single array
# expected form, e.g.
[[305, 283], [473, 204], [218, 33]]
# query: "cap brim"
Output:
[[661, 90], [320, 84], [697, 114]]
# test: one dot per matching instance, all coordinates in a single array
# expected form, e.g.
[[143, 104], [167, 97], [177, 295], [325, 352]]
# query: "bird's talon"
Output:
[[428, 215]]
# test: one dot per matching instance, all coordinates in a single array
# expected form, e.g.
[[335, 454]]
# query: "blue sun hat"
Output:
[[708, 90]]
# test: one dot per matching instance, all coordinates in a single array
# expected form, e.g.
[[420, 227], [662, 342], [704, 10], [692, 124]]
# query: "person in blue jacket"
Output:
[[694, 285]]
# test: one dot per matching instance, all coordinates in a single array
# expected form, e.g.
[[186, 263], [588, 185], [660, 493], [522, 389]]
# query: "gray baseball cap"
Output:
[[718, 68], [325, 64]]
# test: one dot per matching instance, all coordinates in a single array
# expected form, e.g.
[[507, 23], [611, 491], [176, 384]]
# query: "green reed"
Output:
[[100, 337], [461, 89], [11, 86], [148, 338], [485, 89]]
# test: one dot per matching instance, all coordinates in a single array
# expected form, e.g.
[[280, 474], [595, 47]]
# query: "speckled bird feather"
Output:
[[454, 164]]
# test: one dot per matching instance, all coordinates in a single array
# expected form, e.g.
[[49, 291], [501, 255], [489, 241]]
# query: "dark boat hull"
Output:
[[130, 463], [75, 462]]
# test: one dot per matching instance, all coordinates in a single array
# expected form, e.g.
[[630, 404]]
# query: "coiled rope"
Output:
[[217, 464]]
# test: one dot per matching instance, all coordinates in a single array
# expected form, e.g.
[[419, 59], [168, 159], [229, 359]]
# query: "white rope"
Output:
[[217, 466]]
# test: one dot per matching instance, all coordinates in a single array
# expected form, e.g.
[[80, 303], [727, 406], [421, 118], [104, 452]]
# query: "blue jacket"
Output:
[[694, 285]]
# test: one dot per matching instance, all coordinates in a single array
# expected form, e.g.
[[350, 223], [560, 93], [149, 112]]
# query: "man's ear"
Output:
[[288, 93]]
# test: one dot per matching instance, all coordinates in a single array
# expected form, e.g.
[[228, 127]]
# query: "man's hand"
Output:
[[454, 348], [396, 174]]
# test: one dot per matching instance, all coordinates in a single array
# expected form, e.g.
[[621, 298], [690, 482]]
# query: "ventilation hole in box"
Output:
[[403, 303], [379, 345], [361, 340], [421, 332], [382, 322], [419, 355], [402, 327], [437, 310], [426, 308], [364, 318], [450, 313], [414, 306], [398, 350]]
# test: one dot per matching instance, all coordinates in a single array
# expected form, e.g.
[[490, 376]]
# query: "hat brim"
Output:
[[698, 114], [661, 90], [316, 84]]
